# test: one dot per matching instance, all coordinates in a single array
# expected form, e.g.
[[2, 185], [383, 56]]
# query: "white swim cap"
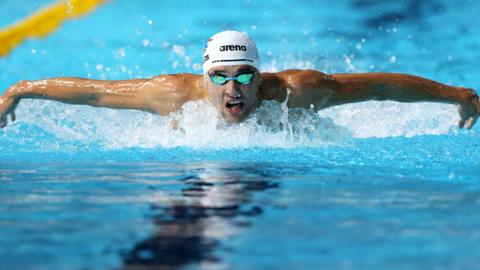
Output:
[[230, 48]]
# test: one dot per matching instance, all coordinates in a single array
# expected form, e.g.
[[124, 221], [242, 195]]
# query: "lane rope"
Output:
[[43, 22]]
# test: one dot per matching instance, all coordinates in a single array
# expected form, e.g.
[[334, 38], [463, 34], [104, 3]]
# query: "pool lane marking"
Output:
[[43, 22]]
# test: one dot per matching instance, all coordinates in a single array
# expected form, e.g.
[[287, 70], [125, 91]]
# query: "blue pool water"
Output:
[[364, 186]]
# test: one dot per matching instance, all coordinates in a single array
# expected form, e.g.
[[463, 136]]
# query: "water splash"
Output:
[[52, 125], [393, 119]]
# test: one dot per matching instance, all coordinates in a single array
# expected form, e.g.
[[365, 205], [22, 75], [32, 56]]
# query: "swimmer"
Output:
[[232, 82]]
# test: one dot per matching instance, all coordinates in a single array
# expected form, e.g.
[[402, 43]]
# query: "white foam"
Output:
[[199, 125], [391, 119]]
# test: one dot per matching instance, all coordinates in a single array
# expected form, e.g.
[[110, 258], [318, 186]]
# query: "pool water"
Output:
[[374, 185]]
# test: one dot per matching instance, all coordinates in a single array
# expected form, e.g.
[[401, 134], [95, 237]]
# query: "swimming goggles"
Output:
[[244, 78]]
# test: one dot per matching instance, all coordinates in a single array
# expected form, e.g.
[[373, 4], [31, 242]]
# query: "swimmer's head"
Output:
[[231, 74], [233, 90], [230, 48]]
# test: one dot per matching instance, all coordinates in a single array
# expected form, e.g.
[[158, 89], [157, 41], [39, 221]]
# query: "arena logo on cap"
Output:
[[226, 48]]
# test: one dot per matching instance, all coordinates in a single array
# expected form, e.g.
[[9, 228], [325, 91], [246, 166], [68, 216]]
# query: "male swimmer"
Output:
[[232, 82]]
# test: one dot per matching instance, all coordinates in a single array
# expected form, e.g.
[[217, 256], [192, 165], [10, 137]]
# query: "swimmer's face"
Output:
[[234, 100]]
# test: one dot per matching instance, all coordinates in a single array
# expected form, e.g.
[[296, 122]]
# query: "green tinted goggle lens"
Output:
[[244, 78]]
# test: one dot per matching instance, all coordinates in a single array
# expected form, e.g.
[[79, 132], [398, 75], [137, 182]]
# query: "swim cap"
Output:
[[230, 48]]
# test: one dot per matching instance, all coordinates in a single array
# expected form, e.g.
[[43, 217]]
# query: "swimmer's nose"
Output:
[[232, 89]]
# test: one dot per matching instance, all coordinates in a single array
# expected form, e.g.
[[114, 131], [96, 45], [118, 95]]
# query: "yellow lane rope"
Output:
[[43, 22]]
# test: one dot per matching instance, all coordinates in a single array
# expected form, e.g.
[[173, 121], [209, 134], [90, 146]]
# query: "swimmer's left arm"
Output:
[[405, 88], [313, 88]]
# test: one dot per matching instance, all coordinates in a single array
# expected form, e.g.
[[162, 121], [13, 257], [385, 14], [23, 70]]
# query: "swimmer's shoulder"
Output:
[[275, 84], [167, 93], [188, 85]]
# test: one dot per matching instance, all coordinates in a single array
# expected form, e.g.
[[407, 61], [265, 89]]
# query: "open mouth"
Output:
[[234, 105]]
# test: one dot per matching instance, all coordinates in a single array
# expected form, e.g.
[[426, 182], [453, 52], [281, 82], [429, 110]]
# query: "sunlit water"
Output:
[[375, 185]]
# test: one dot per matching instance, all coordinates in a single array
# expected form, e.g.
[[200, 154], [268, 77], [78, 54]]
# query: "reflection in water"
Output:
[[191, 226]]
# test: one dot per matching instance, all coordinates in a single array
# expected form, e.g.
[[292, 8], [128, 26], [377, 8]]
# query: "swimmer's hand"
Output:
[[8, 103], [469, 111]]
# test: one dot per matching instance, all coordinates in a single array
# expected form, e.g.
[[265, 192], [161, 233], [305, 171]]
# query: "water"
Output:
[[376, 185]]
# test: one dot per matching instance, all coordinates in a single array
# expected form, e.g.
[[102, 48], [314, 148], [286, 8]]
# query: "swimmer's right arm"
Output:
[[162, 94]]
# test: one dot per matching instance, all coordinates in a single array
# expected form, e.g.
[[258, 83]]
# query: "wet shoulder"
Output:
[[274, 85], [184, 84]]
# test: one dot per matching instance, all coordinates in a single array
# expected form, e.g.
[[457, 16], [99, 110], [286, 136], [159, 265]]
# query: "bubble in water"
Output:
[[180, 50], [121, 53], [196, 66], [146, 42]]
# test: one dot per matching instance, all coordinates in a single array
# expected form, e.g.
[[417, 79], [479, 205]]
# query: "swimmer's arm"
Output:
[[158, 95], [404, 88]]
